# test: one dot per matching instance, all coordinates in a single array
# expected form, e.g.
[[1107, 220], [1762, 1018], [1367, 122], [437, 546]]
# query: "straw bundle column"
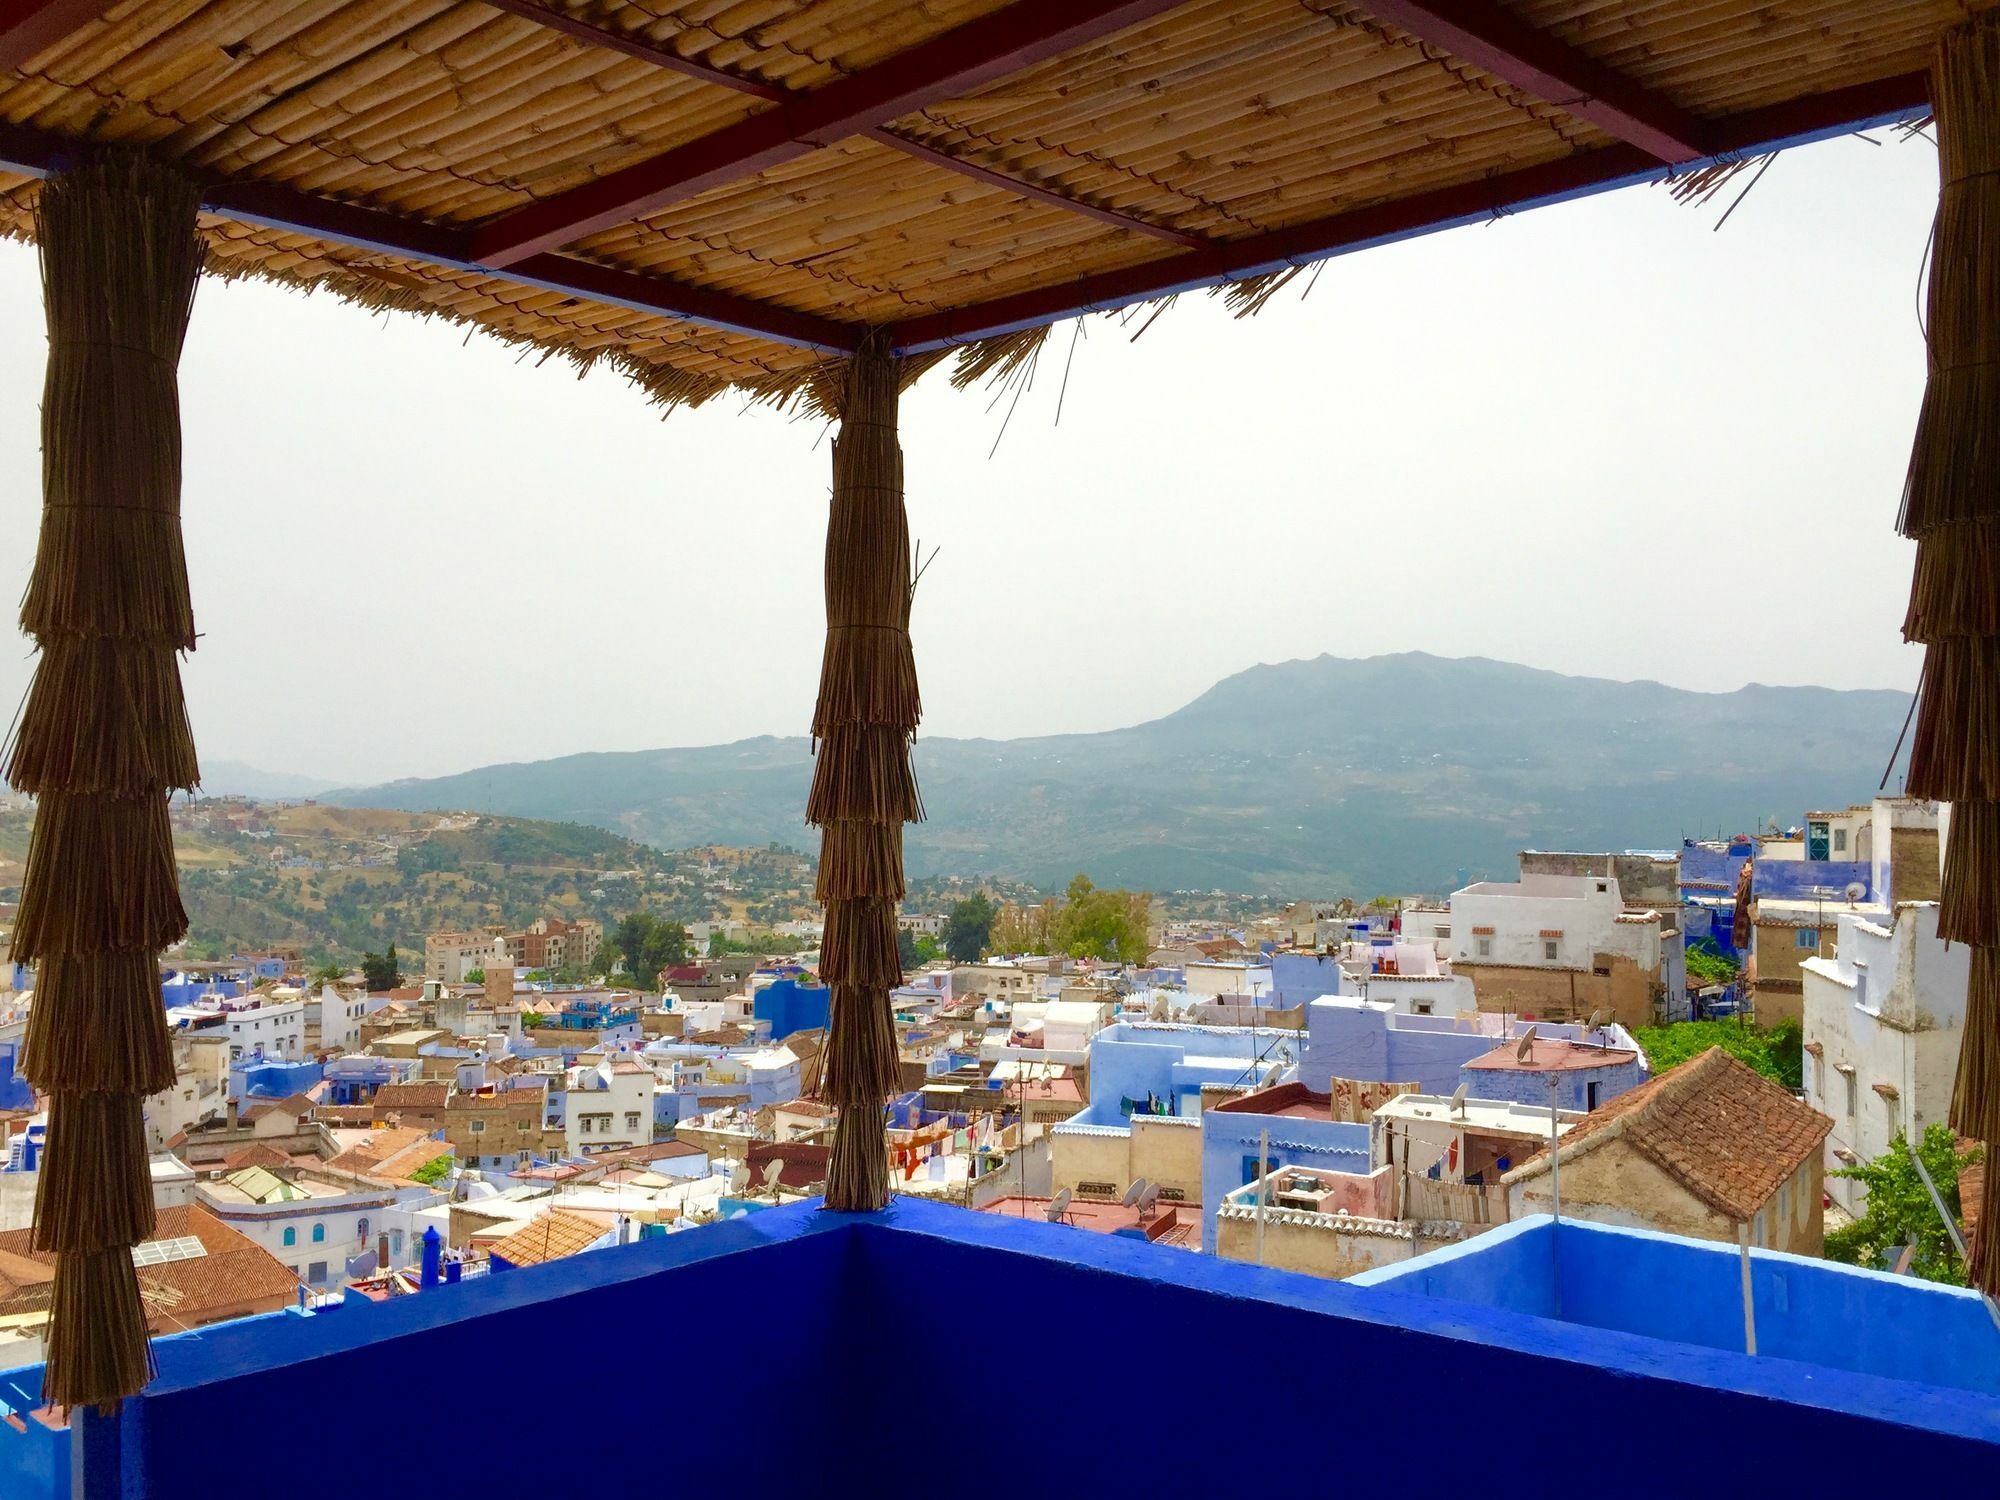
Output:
[[1951, 506], [863, 789], [102, 739]]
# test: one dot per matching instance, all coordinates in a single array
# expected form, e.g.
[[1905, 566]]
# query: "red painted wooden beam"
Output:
[[1002, 42], [654, 52], [29, 28], [1021, 187], [637, 46], [1581, 174], [37, 153], [1481, 33]]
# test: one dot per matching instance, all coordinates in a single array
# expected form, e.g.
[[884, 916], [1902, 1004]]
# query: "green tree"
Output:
[[1774, 1052], [381, 971], [475, 976], [432, 1171], [1092, 923], [1900, 1211], [646, 944], [328, 973], [968, 927]]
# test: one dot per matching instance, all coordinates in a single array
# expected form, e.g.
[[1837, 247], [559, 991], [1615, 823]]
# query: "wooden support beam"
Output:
[[654, 52], [1580, 175], [29, 28], [1005, 41], [37, 153], [1481, 33]]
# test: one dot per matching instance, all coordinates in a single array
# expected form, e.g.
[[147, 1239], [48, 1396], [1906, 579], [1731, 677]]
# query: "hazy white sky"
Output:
[[1597, 438]]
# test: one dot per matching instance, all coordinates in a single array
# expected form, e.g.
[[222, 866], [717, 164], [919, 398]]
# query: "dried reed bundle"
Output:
[[1956, 587], [100, 877], [863, 788], [859, 945], [96, 1183], [860, 859], [857, 1174], [99, 717], [97, 1331], [1975, 1101], [1951, 505], [104, 737], [1955, 747], [97, 1026], [1969, 895]]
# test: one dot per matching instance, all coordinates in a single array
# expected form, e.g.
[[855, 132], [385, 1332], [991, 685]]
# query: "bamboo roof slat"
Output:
[[1225, 123]]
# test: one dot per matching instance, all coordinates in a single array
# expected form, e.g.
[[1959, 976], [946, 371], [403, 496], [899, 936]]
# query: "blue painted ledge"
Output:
[[577, 1378]]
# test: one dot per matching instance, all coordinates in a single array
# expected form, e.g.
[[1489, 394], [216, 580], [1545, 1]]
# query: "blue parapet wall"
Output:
[[792, 1007], [1690, 1292], [836, 1291]]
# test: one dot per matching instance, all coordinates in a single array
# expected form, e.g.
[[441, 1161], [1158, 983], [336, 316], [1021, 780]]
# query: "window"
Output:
[[1420, 1008], [291, 1239], [479, 1127], [631, 1119], [1808, 937], [1443, 932], [1852, 1092], [1840, 838], [1549, 949], [316, 1273], [1486, 947], [1757, 1235], [361, 1231], [1589, 1097], [319, 1234], [1785, 1201]]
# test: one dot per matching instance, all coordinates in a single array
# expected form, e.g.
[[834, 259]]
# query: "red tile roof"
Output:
[[1551, 1055], [410, 1096], [1717, 1126], [559, 1233], [235, 1276]]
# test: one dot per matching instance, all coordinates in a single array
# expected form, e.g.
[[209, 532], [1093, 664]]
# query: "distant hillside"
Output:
[[232, 778], [344, 880], [1391, 773]]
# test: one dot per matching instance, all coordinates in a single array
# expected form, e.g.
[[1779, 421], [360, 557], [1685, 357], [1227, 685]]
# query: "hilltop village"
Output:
[[1716, 1042]]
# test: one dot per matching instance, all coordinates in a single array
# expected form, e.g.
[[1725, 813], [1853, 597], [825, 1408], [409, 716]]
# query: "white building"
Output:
[[274, 1023], [199, 1091], [451, 956], [1883, 1021], [607, 1105], [1549, 921], [338, 1017], [1214, 979], [311, 1221]]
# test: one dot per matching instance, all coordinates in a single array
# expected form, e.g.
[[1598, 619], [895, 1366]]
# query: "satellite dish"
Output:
[[1598, 1018], [773, 1170], [1147, 1199], [1855, 891], [1057, 1206], [1458, 1098], [1524, 1049], [1135, 1191]]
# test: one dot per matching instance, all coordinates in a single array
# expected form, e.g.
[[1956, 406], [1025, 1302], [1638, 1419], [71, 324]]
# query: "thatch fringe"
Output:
[[1983, 1270], [857, 1176], [104, 715], [97, 1024], [863, 773], [1975, 1102], [100, 878], [858, 945], [860, 859], [1969, 895], [104, 736], [1955, 747], [95, 1189], [862, 1072], [97, 1349], [1956, 587]]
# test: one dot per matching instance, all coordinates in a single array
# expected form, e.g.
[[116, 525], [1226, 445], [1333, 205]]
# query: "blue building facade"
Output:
[[258, 1077], [791, 1005], [1230, 1136]]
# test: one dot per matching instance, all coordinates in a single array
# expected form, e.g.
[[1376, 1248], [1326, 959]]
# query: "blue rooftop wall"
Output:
[[1690, 1292], [790, 1007], [1164, 1067], [1299, 977], [1229, 1141], [272, 1078], [848, 1309], [1702, 868], [1804, 879], [192, 991], [1359, 1039], [15, 1091]]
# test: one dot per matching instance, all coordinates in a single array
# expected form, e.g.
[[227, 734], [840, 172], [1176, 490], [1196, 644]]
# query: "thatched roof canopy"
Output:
[[728, 192]]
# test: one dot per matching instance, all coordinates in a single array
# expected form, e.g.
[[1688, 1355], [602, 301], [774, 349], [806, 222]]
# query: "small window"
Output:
[[478, 1127], [1549, 949], [316, 1273], [1840, 838], [1443, 932], [1486, 947], [1420, 1008], [1589, 1096], [1853, 1092], [319, 1234], [291, 1237], [1808, 937]]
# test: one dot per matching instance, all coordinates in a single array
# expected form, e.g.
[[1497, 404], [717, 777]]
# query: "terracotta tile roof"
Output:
[[1716, 1125], [234, 1277], [559, 1233], [411, 1096], [805, 1163], [379, 1148], [259, 1155]]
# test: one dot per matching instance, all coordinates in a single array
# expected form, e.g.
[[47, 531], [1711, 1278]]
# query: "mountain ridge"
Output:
[[1321, 774]]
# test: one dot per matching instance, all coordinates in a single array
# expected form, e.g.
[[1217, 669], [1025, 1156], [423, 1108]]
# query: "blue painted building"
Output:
[[260, 1077], [790, 1005], [1297, 978], [1368, 1041], [355, 1078], [1299, 1130], [1568, 1075], [1916, 1419], [1667, 1291], [15, 1091], [1158, 1068]]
